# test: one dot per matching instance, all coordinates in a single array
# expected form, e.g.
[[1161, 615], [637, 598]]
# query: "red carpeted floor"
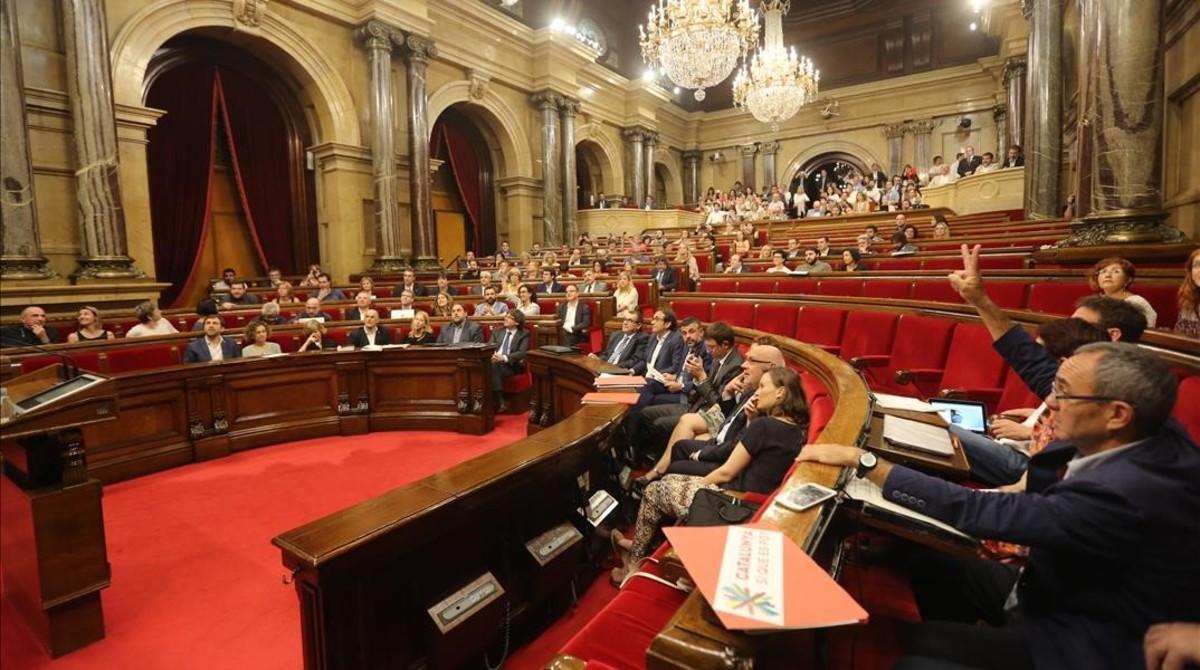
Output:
[[196, 582]]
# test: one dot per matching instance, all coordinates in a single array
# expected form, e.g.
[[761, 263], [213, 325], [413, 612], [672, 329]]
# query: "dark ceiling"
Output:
[[850, 41]]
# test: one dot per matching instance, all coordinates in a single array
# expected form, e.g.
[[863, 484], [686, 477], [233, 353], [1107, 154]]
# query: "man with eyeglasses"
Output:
[[1110, 511], [626, 347], [31, 331]]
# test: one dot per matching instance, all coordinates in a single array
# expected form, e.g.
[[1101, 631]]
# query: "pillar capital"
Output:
[[568, 107], [416, 49], [637, 134], [692, 155], [748, 150], [894, 130], [770, 148], [921, 127], [1014, 67], [999, 111], [546, 100], [377, 35]]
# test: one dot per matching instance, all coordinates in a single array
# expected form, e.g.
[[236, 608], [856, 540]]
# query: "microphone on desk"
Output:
[[70, 366]]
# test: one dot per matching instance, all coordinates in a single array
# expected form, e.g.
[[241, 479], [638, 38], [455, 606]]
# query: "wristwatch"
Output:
[[866, 463]]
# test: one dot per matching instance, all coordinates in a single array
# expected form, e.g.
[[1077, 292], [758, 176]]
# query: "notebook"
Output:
[[917, 435]]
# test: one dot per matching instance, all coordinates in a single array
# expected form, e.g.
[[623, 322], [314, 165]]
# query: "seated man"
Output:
[[576, 317], [1110, 513], [823, 248], [460, 330], [735, 265], [32, 331], [549, 283], [362, 302], [325, 289], [812, 263], [312, 310], [238, 296], [512, 343], [793, 251], [665, 276], [590, 284], [708, 379], [720, 426], [370, 333], [268, 314], [988, 164], [675, 390], [627, 346], [274, 278], [472, 271], [491, 305], [223, 284], [211, 347], [409, 283], [407, 307], [485, 280]]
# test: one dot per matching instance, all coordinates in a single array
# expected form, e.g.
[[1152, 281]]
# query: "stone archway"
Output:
[[495, 116], [849, 152], [605, 154], [672, 176]]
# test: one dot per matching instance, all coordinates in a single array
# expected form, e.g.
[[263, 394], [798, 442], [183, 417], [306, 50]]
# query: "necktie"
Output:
[[616, 354], [504, 345], [457, 334]]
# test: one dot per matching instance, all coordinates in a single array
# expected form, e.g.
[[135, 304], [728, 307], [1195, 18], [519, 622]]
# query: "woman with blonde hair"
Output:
[[367, 285], [150, 321], [1188, 322], [511, 284], [314, 337], [90, 327], [1112, 276], [443, 304], [419, 331], [284, 295], [626, 296]]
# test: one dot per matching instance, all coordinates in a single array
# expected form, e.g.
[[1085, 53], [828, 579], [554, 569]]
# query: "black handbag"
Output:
[[714, 508]]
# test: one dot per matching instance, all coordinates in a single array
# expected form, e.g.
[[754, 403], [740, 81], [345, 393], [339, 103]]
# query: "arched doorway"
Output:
[[228, 177], [661, 178], [465, 184], [822, 169], [589, 173]]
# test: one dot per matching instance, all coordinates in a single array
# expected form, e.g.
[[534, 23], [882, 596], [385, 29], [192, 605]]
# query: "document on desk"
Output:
[[889, 401], [917, 435], [866, 492]]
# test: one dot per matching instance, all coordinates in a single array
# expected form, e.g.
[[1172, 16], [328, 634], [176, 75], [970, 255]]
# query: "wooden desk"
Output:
[[559, 382], [365, 576], [954, 466]]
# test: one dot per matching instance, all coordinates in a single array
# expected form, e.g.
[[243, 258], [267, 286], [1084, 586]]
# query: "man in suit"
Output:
[[1015, 158], [676, 390], [312, 310], [362, 302], [409, 283], [485, 280], [549, 282], [823, 248], [370, 333], [665, 352], [512, 343], [211, 347], [627, 346], [735, 265], [505, 249], [460, 330], [590, 285], [407, 307], [472, 271], [969, 162], [238, 296], [1109, 507], [576, 317], [707, 381], [664, 275], [32, 331], [325, 289]]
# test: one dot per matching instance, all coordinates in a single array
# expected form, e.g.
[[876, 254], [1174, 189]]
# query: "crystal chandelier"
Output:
[[777, 83], [697, 43]]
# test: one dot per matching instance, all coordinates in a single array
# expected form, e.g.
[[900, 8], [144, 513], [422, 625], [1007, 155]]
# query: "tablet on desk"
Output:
[[968, 414]]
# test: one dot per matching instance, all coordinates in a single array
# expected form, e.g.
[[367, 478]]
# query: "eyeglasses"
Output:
[[1060, 395], [757, 361]]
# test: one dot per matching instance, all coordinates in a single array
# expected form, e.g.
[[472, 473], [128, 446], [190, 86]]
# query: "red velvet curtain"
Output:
[[180, 160], [450, 141], [258, 147]]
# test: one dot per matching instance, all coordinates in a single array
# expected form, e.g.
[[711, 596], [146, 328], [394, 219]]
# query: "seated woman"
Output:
[[258, 332], [626, 296], [419, 330], [443, 304], [90, 328], [367, 285], [902, 244], [527, 301], [150, 321], [776, 431], [1112, 277], [777, 264], [1189, 298], [852, 261], [939, 172], [269, 314], [941, 230], [511, 284], [284, 295], [315, 340]]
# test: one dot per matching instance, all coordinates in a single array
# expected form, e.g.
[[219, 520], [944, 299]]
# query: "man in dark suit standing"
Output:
[[877, 175], [370, 333], [576, 317], [512, 343], [460, 330], [627, 346], [969, 163], [32, 331], [211, 347], [410, 284], [664, 275]]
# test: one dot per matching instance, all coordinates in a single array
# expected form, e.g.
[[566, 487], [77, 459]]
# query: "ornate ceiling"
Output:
[[851, 41]]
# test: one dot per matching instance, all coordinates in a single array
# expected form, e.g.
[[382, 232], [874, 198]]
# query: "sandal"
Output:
[[639, 484]]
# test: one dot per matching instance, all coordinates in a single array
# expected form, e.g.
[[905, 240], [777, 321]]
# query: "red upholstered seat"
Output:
[[85, 360], [701, 309], [820, 410], [920, 342], [973, 367], [720, 285], [128, 359], [935, 290], [849, 287], [1164, 298], [898, 264], [756, 286], [821, 326], [797, 286], [779, 319], [287, 342], [518, 383], [381, 292], [940, 264], [1187, 406], [341, 336], [991, 262], [868, 334], [1057, 297], [1008, 294], [1016, 394], [734, 313], [887, 288]]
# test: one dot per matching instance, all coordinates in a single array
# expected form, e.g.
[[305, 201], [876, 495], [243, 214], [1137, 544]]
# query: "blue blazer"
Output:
[[197, 350], [670, 359], [1113, 549]]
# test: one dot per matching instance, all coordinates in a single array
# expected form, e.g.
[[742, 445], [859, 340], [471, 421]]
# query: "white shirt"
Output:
[[1081, 464], [569, 316], [370, 333], [658, 344], [164, 327], [215, 352]]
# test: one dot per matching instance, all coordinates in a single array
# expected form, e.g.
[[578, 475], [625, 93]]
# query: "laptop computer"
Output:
[[968, 414]]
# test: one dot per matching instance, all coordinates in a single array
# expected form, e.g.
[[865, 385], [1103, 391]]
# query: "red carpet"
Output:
[[537, 653], [196, 582]]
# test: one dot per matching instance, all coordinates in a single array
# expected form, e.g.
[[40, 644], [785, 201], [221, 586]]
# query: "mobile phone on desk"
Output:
[[804, 496]]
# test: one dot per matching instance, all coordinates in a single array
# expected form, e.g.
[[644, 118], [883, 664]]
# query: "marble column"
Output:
[[749, 151], [21, 251], [548, 102], [378, 38], [637, 177], [895, 143], [1000, 118], [921, 131], [769, 151], [104, 246], [570, 199], [417, 51], [1014, 101], [651, 140], [1119, 188], [1043, 110], [691, 176]]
